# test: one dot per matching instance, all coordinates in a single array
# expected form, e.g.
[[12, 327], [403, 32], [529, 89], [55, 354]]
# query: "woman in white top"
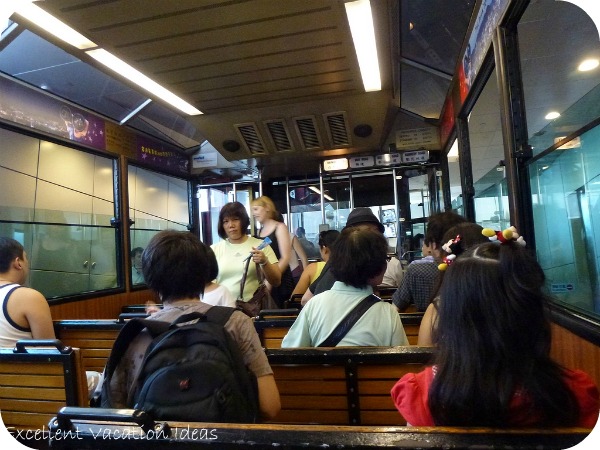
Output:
[[232, 253]]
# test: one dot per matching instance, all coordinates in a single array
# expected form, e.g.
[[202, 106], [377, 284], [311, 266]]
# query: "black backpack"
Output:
[[191, 372]]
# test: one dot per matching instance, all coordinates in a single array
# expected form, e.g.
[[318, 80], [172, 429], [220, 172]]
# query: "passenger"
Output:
[[299, 260], [136, 266], [264, 211], [421, 275], [214, 293], [493, 366], [358, 262], [235, 247], [458, 239], [25, 312], [313, 270], [176, 266], [309, 247], [361, 218]]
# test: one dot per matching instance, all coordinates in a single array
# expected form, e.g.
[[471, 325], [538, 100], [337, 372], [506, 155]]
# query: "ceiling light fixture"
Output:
[[588, 64], [65, 33], [52, 25], [552, 115], [137, 77], [360, 19]]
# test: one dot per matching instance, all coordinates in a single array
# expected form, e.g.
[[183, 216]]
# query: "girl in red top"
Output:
[[493, 365]]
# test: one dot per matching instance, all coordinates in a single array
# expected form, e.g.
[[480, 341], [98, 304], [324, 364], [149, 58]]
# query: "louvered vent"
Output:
[[248, 133], [337, 129], [308, 133], [279, 135]]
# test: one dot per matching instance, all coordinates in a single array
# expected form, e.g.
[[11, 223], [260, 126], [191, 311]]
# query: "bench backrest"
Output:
[[36, 382], [77, 428], [95, 338], [342, 385], [272, 331]]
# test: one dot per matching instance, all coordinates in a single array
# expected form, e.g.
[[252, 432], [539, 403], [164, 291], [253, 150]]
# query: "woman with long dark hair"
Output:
[[493, 366]]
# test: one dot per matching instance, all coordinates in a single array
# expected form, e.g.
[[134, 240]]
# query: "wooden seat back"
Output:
[[122, 429], [273, 330], [37, 380], [342, 385], [95, 338]]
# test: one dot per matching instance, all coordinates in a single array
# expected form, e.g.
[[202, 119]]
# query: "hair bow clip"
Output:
[[449, 247], [501, 237]]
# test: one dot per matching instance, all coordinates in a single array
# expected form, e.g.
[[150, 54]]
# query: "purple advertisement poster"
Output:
[[161, 156], [28, 107]]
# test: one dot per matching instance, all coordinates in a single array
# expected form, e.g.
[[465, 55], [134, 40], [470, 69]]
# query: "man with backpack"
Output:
[[190, 361]]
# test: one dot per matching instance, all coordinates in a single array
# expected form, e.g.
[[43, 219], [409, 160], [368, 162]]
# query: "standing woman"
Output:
[[232, 251], [263, 210]]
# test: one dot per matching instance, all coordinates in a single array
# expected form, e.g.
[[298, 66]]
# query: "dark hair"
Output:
[[438, 224], [176, 265], [234, 210], [300, 232], [135, 251], [9, 250], [494, 340], [328, 237], [358, 255], [213, 269]]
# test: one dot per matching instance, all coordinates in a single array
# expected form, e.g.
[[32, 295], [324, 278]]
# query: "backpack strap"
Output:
[[348, 322], [220, 314]]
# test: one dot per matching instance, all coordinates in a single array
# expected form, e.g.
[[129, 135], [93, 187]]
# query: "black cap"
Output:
[[363, 215]]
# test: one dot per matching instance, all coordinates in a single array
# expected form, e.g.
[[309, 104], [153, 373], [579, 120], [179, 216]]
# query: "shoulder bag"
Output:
[[261, 299]]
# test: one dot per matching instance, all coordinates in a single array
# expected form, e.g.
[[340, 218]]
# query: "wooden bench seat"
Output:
[[342, 385], [84, 428], [37, 379]]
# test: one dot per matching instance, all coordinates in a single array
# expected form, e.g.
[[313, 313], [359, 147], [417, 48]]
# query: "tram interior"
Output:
[[281, 90]]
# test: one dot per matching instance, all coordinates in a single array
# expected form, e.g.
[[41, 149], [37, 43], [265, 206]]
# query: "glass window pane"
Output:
[[73, 249], [487, 154], [156, 202], [18, 195], [554, 38], [566, 198]]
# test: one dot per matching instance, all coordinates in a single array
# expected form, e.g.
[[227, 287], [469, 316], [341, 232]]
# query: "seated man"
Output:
[[358, 262], [176, 266], [25, 312], [421, 275]]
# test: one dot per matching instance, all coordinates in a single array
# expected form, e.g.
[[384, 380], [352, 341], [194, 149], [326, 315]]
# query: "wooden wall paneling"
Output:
[[575, 352]]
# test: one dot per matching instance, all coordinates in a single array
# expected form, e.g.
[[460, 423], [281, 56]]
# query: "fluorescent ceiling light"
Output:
[[52, 25], [67, 34], [552, 115], [137, 77], [588, 64], [360, 19], [318, 191]]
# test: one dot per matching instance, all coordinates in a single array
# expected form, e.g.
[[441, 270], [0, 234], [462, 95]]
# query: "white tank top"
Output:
[[10, 332]]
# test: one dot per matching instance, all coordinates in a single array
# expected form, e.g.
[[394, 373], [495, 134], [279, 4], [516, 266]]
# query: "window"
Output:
[[156, 202], [58, 202]]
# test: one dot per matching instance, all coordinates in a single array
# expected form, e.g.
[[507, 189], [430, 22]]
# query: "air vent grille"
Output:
[[251, 138], [308, 133], [337, 129], [279, 134]]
